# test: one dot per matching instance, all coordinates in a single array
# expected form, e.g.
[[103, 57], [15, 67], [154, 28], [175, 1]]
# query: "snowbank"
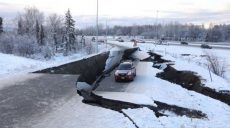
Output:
[[10, 64], [13, 64]]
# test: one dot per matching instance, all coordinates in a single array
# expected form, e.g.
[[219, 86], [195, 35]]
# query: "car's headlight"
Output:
[[116, 73], [129, 73]]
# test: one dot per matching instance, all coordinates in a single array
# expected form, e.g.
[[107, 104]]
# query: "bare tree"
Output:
[[29, 18], [41, 36], [215, 64], [37, 30], [134, 31], [55, 27], [1, 25], [20, 29]]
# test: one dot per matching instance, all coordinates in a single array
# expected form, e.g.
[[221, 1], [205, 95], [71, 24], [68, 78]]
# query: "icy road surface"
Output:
[[26, 97]]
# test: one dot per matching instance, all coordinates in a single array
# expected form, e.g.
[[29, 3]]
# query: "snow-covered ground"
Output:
[[218, 113], [10, 64], [146, 83], [195, 62]]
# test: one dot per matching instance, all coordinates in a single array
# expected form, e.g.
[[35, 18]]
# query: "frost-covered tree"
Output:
[[134, 31], [70, 32], [1, 25], [22, 45], [214, 34], [37, 31], [20, 29], [55, 28], [41, 36], [28, 20]]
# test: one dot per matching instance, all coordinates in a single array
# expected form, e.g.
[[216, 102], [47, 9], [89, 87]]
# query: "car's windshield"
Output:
[[124, 67]]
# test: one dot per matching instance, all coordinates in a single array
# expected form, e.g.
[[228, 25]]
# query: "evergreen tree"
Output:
[[70, 32], [1, 26]]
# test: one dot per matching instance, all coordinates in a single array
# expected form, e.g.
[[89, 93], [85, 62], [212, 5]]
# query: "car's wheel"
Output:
[[132, 79]]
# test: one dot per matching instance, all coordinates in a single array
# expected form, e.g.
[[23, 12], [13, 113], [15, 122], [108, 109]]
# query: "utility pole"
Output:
[[97, 31], [157, 23]]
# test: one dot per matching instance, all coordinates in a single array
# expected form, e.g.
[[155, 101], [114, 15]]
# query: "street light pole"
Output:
[[97, 31], [157, 24], [106, 33]]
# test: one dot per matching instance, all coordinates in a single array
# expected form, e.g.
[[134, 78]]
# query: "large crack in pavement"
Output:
[[186, 79], [116, 105]]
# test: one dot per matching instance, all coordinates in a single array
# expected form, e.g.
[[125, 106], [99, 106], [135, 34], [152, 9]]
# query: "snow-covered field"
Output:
[[195, 62], [10, 64]]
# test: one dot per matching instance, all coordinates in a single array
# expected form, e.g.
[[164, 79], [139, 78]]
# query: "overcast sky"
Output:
[[128, 11]]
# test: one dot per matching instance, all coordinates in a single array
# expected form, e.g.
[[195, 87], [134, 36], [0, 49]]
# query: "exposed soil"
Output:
[[89, 69], [187, 79], [180, 111], [155, 58]]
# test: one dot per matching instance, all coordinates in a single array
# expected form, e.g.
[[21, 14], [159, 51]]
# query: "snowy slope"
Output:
[[12, 64]]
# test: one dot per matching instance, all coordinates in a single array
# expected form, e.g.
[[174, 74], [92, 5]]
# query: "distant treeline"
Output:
[[172, 31]]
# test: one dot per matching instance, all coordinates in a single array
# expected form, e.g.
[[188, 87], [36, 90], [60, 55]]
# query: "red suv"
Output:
[[125, 71]]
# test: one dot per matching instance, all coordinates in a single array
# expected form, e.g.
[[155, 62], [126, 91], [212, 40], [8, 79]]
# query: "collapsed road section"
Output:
[[90, 97], [187, 79]]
